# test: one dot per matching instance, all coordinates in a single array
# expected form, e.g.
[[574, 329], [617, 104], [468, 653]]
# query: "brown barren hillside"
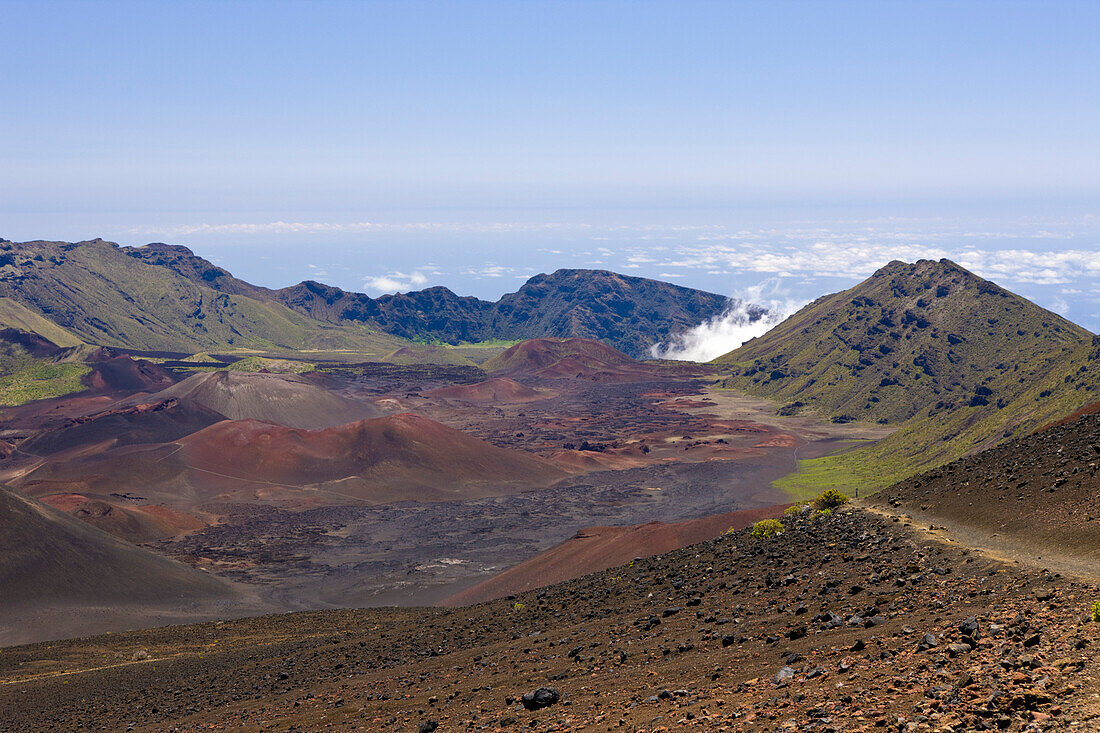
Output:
[[499, 390], [395, 458], [1042, 490], [287, 399], [398, 450], [162, 421], [123, 373]]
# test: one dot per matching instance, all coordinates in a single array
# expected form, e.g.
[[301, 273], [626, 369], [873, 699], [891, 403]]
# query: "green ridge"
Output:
[[958, 363]]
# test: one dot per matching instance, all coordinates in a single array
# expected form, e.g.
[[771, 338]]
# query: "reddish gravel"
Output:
[[819, 629]]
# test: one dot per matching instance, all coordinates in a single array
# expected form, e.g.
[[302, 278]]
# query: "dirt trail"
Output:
[[991, 545]]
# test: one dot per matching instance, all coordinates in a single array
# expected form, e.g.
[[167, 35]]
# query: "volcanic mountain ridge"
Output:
[[101, 293], [957, 361]]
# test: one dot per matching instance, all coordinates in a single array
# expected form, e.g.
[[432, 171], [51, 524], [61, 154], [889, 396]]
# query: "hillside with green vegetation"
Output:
[[108, 295], [164, 297], [630, 313], [266, 364], [15, 315], [957, 362], [33, 368]]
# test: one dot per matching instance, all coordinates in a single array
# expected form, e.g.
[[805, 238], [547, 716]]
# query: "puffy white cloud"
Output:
[[738, 324], [395, 282]]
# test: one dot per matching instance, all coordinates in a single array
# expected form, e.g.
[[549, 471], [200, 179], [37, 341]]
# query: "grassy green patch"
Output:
[[282, 366], [39, 381], [854, 473]]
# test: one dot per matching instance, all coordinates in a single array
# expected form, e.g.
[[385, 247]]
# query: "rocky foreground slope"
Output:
[[846, 621], [1038, 494]]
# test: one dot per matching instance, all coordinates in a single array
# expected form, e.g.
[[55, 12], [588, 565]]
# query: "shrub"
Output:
[[1096, 611], [797, 508], [767, 528], [830, 499]]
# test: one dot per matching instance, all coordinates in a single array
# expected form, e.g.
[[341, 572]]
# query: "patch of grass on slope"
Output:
[[15, 315], [39, 381], [850, 474], [260, 363]]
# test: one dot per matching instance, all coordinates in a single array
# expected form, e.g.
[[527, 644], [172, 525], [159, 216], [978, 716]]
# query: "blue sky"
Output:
[[376, 144]]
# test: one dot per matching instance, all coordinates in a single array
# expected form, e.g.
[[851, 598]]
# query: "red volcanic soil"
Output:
[[499, 390], [420, 457], [395, 458], [123, 373], [1090, 409], [131, 523], [567, 359], [597, 548]]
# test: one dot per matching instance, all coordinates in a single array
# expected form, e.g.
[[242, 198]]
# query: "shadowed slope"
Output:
[[162, 421], [123, 373], [54, 565]]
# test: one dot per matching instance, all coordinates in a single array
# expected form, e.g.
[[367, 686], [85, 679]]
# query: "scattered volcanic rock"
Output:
[[1052, 475], [605, 638], [543, 697]]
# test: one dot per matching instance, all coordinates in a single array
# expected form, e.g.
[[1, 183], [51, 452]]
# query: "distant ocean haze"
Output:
[[795, 252]]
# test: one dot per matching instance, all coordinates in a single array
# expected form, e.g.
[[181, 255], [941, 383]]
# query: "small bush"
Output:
[[823, 513], [797, 508], [830, 499], [1096, 611], [767, 528]]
